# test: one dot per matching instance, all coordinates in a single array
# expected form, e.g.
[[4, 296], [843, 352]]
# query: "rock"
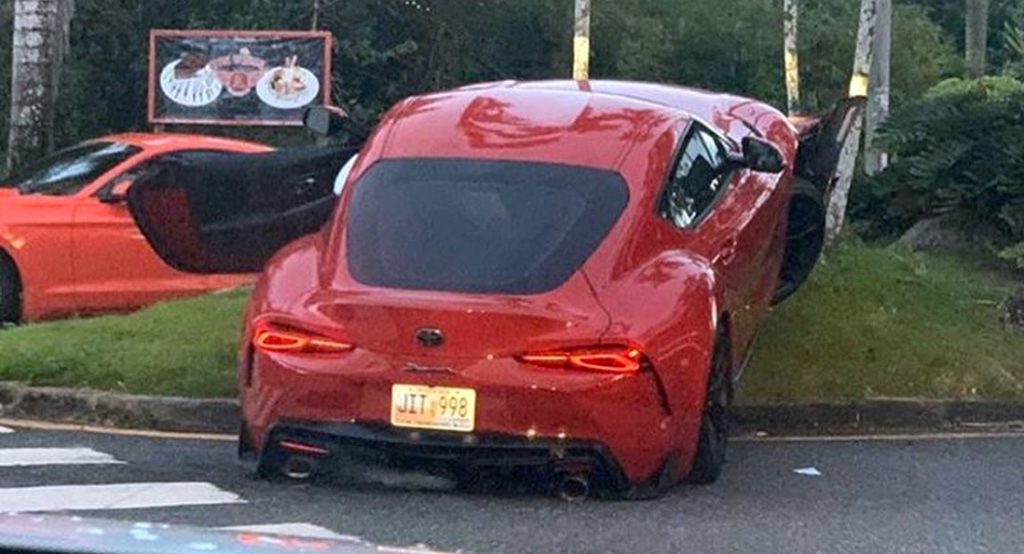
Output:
[[950, 232]]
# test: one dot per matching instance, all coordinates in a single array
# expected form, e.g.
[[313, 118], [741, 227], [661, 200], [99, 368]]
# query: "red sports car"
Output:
[[559, 277], [68, 244]]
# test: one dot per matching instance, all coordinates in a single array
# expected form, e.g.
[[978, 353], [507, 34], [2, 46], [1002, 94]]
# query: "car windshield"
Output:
[[68, 171], [478, 226]]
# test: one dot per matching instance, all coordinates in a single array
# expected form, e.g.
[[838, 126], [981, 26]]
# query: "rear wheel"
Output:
[[714, 425], [10, 293], [805, 237]]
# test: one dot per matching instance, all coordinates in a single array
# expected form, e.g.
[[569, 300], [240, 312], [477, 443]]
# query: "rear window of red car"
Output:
[[478, 226]]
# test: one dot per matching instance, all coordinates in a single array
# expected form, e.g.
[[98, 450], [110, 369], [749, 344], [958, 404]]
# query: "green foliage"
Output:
[[960, 148], [1014, 254]]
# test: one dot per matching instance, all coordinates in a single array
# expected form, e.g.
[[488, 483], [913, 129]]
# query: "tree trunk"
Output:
[[876, 160], [791, 16], [862, 58], [37, 55], [581, 42], [976, 37]]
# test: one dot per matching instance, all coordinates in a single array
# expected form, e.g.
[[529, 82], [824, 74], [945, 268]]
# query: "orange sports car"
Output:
[[68, 243]]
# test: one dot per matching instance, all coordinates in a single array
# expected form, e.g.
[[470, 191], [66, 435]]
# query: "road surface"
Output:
[[933, 494]]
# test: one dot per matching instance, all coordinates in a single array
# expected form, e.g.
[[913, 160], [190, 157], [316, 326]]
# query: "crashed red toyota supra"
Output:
[[562, 277]]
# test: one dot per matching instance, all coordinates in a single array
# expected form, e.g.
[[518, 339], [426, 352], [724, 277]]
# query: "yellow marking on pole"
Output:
[[81, 428], [581, 58], [859, 85]]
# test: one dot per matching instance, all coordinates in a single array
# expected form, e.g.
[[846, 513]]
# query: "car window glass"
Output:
[[695, 181], [67, 172], [133, 173]]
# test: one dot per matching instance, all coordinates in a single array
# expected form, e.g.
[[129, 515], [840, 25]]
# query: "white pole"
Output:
[[876, 160], [836, 216]]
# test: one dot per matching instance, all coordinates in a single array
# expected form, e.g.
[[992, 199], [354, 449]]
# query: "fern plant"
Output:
[[959, 149]]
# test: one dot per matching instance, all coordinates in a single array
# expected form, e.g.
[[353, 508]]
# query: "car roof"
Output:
[[592, 124], [180, 141]]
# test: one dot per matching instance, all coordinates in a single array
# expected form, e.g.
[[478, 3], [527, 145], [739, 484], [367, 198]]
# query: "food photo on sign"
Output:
[[228, 77]]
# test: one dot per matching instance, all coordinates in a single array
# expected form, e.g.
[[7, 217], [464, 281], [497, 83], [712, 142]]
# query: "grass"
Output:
[[872, 322], [877, 322], [180, 348]]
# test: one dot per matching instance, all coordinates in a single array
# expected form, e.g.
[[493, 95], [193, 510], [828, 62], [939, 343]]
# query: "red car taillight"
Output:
[[613, 359], [275, 337]]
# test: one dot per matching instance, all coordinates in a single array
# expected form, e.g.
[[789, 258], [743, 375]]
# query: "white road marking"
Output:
[[808, 471], [5, 430], [53, 456], [112, 497], [305, 530]]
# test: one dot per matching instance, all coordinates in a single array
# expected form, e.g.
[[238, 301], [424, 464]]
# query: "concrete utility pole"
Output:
[[37, 56], [792, 56], [836, 217], [316, 15], [581, 42], [976, 37], [876, 160]]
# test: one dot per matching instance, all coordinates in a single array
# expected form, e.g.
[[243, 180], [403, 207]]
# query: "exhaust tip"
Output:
[[574, 488], [299, 468]]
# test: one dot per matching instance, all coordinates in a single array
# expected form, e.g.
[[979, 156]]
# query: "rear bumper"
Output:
[[402, 448]]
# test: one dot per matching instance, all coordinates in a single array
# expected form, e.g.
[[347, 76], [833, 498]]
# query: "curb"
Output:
[[878, 414], [221, 415], [158, 413]]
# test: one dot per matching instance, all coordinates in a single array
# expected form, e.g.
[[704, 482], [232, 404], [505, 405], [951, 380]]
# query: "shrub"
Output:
[[960, 148]]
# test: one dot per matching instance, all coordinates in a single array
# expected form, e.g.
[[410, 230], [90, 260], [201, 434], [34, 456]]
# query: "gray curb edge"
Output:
[[221, 415], [158, 413]]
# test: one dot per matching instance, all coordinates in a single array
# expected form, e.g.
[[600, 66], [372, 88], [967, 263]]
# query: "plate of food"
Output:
[[189, 81], [289, 86], [239, 72]]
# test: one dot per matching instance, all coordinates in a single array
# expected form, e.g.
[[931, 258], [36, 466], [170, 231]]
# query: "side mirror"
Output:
[[324, 120], [759, 155], [329, 121], [117, 194]]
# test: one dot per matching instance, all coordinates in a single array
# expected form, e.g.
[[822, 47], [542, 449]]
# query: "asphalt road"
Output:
[[921, 494]]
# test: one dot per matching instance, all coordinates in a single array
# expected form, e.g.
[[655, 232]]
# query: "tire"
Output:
[[10, 292], [713, 440], [805, 238]]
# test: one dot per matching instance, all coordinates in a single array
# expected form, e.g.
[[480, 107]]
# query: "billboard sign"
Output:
[[237, 77]]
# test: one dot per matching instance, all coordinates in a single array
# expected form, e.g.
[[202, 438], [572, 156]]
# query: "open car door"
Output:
[[821, 143], [822, 140], [229, 213]]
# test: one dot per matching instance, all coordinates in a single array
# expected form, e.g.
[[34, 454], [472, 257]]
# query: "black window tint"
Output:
[[695, 181], [478, 226], [68, 171]]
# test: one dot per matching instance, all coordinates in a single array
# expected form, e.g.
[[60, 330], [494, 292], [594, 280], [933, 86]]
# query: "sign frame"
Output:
[[152, 84]]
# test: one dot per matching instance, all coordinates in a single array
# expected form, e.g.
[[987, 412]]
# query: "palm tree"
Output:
[[976, 36], [37, 55]]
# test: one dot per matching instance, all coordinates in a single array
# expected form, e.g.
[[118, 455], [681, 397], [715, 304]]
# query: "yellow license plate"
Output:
[[441, 408]]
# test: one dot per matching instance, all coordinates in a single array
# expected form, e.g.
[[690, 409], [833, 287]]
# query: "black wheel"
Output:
[[10, 293], [805, 237], [714, 425]]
